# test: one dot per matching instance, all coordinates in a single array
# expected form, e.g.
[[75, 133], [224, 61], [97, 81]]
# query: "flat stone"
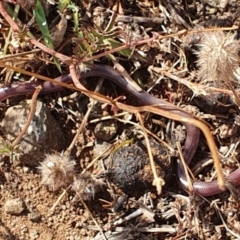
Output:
[[14, 206]]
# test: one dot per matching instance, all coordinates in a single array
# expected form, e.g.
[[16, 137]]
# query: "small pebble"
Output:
[[14, 206], [34, 234], [26, 169], [106, 130], [34, 216]]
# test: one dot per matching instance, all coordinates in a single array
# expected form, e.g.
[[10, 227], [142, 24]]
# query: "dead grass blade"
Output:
[[30, 116]]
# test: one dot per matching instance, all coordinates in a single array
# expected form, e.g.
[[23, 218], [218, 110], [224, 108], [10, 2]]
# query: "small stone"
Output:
[[14, 206], [106, 130], [212, 10], [34, 235], [26, 169], [34, 216], [63, 207]]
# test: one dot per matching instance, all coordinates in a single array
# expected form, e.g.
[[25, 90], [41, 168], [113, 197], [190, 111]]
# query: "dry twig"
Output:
[[30, 116]]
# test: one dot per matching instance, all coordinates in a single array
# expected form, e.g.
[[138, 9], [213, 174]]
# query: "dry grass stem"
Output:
[[97, 158], [157, 181], [30, 116], [171, 149], [94, 220], [85, 119], [190, 185], [198, 89], [58, 200]]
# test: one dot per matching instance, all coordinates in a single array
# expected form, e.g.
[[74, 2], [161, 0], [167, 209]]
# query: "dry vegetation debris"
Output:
[[184, 51]]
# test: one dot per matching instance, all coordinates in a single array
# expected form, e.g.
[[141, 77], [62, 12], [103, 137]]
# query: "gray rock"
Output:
[[42, 136], [34, 216], [14, 206]]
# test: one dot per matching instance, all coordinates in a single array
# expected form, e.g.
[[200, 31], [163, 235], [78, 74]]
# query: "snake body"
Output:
[[193, 133]]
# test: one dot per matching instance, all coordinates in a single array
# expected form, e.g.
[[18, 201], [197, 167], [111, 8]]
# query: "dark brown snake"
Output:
[[193, 133]]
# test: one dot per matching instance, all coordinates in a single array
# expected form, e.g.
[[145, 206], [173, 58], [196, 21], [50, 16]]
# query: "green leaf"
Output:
[[63, 4], [41, 20], [129, 53]]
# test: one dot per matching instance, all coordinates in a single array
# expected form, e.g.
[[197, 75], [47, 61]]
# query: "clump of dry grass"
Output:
[[218, 58], [57, 171]]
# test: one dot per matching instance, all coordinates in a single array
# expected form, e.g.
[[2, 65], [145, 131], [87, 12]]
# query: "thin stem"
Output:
[[30, 116]]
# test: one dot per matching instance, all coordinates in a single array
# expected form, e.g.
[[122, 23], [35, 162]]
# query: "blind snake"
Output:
[[193, 133]]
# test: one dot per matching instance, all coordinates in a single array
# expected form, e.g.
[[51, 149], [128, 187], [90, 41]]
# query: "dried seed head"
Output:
[[57, 171], [87, 185], [218, 58]]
